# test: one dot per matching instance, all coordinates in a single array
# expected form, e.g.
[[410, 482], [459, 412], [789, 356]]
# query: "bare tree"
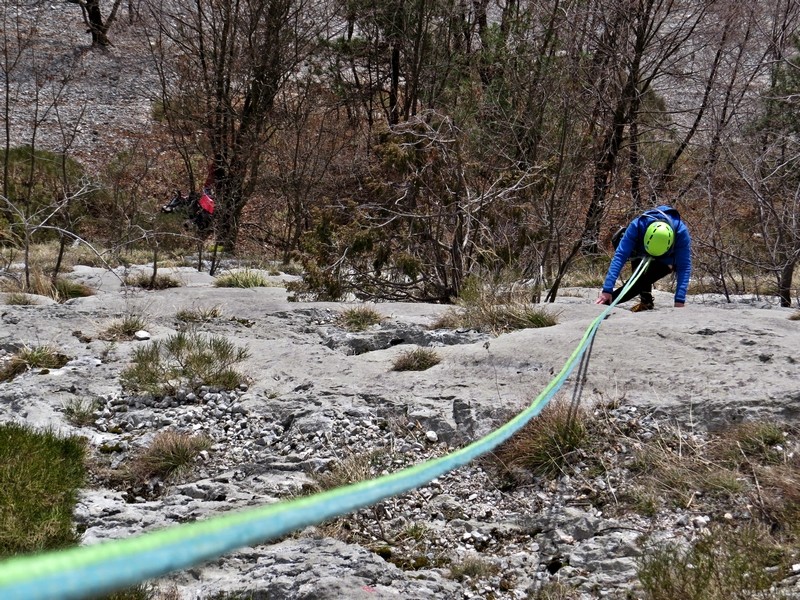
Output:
[[222, 65], [98, 26], [17, 39], [312, 159], [768, 161], [429, 222], [39, 187], [639, 42]]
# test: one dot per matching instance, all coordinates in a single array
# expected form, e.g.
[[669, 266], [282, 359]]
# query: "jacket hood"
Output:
[[660, 211]]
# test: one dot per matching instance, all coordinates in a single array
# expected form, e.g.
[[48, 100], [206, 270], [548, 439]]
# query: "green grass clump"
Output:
[[473, 568], [246, 278], [169, 455], [147, 282], [19, 299], [351, 469], [199, 315], [185, 359], [418, 359], [80, 411], [67, 289], [727, 564], [124, 328], [555, 590], [40, 475], [546, 445], [36, 357], [359, 318], [496, 309]]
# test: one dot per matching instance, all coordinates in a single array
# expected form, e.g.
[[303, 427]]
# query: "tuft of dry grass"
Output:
[[795, 316], [35, 357], [145, 281], [676, 471], [473, 567], [496, 309], [778, 496], [20, 299], [749, 459], [418, 359], [43, 285], [725, 564], [124, 328], [359, 318], [169, 455], [67, 289], [351, 469], [43, 256], [199, 315], [291, 268], [555, 590], [246, 278], [546, 445], [756, 463], [751, 441], [143, 591]]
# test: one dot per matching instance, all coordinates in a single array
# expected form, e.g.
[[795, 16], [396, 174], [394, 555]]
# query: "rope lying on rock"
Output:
[[91, 570]]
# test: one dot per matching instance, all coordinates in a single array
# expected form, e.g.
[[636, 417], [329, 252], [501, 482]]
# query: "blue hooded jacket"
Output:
[[632, 246]]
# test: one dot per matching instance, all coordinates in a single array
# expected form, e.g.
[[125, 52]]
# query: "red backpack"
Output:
[[206, 202]]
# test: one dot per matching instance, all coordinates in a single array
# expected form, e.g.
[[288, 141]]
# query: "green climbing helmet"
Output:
[[658, 238]]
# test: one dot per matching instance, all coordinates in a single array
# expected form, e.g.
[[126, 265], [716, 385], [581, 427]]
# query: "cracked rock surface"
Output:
[[319, 396]]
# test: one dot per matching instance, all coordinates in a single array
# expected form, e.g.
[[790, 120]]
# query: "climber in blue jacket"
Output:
[[661, 234]]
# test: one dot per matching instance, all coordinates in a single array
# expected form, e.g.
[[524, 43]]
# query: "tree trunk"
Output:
[[785, 283], [635, 166], [227, 225], [97, 28], [231, 200], [394, 85], [154, 276], [603, 173], [562, 270]]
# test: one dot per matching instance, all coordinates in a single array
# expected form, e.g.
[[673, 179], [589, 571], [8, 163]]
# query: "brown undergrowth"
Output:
[[743, 483], [32, 357]]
